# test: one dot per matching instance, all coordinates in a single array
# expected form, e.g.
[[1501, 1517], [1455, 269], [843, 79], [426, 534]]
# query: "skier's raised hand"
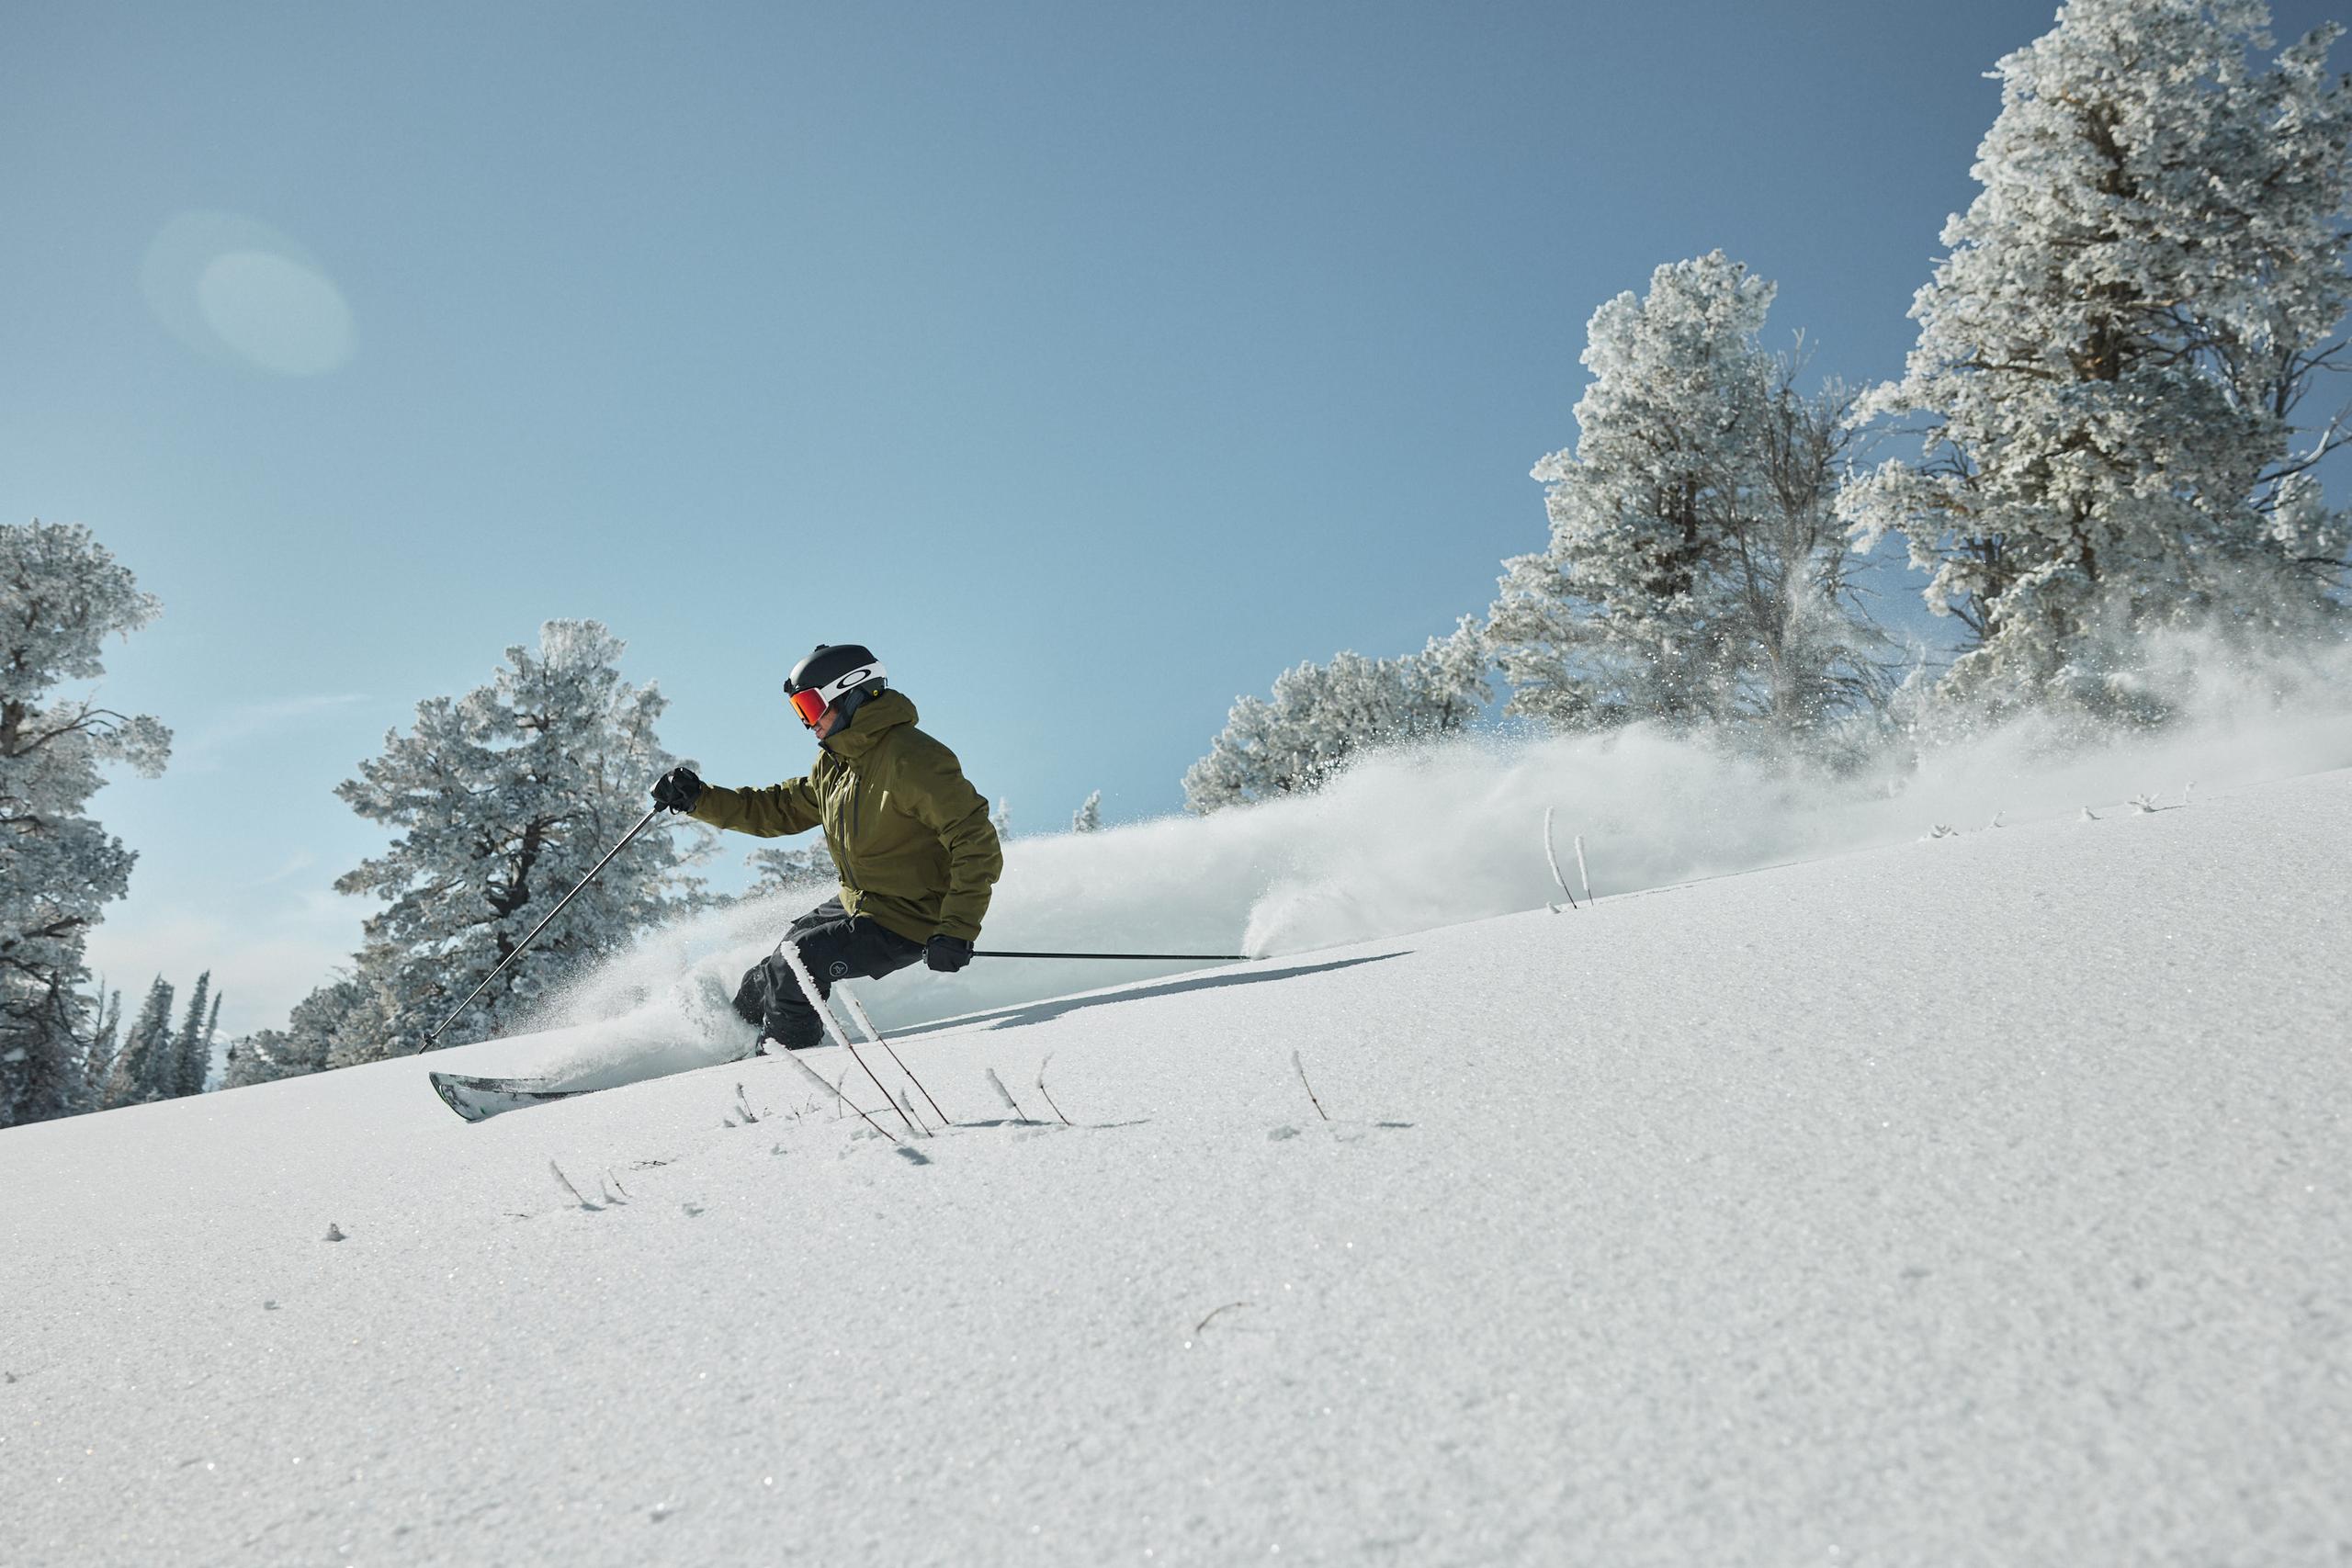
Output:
[[946, 953], [678, 789]]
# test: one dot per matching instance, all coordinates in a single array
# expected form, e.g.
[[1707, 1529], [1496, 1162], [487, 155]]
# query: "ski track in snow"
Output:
[[1979, 1199]]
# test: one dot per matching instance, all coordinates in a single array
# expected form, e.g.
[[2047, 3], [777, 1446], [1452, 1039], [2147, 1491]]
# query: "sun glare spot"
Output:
[[238, 292], [278, 313]]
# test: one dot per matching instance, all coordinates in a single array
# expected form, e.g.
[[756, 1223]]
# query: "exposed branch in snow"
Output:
[[565, 1182], [1005, 1095], [1553, 860], [1213, 1313], [1309, 1086], [1041, 1088], [839, 1098]]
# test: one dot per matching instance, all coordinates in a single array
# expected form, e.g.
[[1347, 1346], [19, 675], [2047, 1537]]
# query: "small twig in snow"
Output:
[[1213, 1312], [2088, 814], [839, 1098], [1041, 1088], [1005, 1095], [2144, 804], [743, 1105], [1943, 830], [1997, 818], [1583, 875], [567, 1187], [1553, 860], [334, 1232], [1309, 1086]]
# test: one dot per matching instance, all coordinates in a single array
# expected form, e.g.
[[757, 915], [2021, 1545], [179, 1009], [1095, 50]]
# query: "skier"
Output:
[[911, 835]]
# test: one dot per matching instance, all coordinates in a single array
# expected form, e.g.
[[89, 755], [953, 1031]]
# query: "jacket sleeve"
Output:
[[943, 800], [788, 807]]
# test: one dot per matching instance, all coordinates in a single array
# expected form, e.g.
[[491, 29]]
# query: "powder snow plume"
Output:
[[1411, 841]]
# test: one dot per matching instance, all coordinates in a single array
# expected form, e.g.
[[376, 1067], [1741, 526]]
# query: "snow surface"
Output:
[[2014, 1230]]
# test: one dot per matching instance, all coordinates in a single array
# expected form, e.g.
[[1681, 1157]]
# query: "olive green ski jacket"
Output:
[[911, 835]]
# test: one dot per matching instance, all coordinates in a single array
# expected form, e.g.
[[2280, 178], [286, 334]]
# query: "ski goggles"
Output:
[[810, 705], [810, 701]]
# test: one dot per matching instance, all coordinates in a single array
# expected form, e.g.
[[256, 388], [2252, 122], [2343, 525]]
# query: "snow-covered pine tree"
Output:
[[146, 1068], [1697, 573], [61, 595], [794, 866], [505, 799], [2112, 358], [1002, 817], [1088, 818], [1323, 717], [318, 1021], [192, 1046], [105, 1040]]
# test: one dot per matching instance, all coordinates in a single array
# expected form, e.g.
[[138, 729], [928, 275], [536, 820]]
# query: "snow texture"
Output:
[[1735, 1222]]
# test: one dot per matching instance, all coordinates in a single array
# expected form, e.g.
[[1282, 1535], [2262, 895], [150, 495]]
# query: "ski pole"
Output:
[[1187, 957], [528, 940]]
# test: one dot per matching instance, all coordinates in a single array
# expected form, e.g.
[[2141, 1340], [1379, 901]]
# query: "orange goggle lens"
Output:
[[810, 705]]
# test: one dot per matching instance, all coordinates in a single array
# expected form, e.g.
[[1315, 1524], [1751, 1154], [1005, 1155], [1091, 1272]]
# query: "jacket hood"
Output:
[[868, 723]]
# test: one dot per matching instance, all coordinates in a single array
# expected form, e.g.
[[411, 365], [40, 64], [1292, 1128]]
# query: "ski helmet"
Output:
[[839, 674]]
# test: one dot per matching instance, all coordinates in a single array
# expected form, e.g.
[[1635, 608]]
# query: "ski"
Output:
[[478, 1100]]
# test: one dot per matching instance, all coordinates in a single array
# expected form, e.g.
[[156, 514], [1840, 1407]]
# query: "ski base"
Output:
[[478, 1100]]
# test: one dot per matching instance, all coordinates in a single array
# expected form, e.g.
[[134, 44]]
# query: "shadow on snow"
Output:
[[1039, 1012]]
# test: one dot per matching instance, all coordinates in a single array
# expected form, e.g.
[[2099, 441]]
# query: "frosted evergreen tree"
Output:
[[504, 800], [1697, 572], [1323, 717], [1002, 817], [303, 1045], [192, 1055], [61, 595], [106, 1010], [317, 1022], [1088, 818], [2112, 357], [791, 866], [147, 1068]]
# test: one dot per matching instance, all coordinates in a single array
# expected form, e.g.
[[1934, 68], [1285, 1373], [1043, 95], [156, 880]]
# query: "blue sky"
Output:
[[1092, 363]]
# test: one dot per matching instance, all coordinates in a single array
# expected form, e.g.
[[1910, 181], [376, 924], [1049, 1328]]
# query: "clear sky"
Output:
[[1092, 363]]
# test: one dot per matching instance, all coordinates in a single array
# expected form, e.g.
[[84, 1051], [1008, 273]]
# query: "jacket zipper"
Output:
[[849, 820]]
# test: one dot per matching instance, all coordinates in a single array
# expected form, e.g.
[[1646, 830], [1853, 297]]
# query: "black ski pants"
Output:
[[836, 945]]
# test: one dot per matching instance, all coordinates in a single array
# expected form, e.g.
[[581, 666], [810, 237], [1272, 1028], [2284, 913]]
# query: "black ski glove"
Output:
[[678, 789], [946, 953]]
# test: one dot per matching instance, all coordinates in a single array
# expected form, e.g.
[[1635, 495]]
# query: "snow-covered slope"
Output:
[[2018, 1233]]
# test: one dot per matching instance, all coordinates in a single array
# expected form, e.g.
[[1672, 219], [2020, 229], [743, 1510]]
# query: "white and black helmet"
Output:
[[843, 674]]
